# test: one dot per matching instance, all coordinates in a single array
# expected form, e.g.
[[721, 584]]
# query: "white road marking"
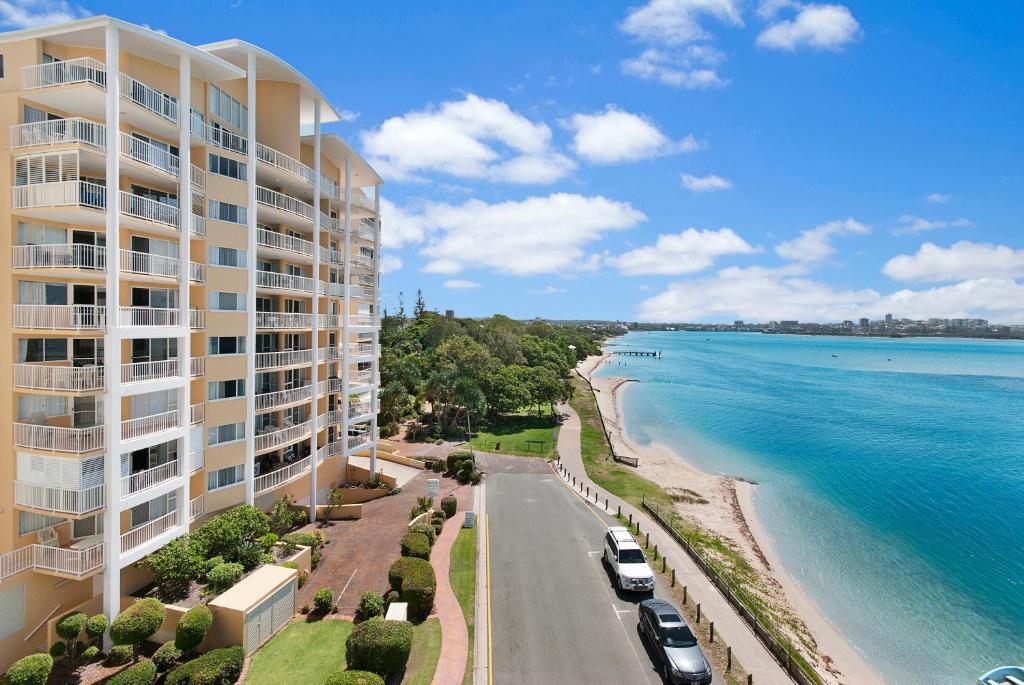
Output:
[[348, 583], [594, 552]]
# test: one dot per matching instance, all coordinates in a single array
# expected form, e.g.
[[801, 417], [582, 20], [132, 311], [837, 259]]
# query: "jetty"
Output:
[[637, 353]]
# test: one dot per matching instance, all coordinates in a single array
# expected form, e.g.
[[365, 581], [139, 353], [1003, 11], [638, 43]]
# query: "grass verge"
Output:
[[463, 579], [426, 649], [301, 653], [513, 431]]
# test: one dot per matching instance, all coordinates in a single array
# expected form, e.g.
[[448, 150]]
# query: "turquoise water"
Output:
[[890, 478]]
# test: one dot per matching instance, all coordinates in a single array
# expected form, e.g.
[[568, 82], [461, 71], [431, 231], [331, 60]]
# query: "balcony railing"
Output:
[[197, 319], [198, 224], [331, 418], [362, 320], [149, 264], [270, 360], [362, 377], [137, 537], [361, 348], [332, 289], [279, 281], [53, 317], [59, 194], [360, 409], [58, 500], [149, 316], [59, 132], [149, 371], [74, 563], [153, 100], [57, 438], [197, 272], [283, 320], [359, 439], [223, 138], [66, 72], [280, 398], [281, 161], [143, 480], [151, 155], [331, 353], [198, 366], [280, 476], [362, 263], [281, 241], [59, 256], [197, 412], [329, 386], [197, 507], [360, 199], [331, 256], [287, 203], [147, 425], [364, 229], [65, 378], [331, 223], [277, 437], [329, 187], [198, 177], [330, 321], [148, 209], [331, 449]]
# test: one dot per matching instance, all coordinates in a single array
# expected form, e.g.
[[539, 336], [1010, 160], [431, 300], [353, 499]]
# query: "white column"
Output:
[[375, 375], [345, 306], [112, 344], [313, 420], [185, 275], [250, 264]]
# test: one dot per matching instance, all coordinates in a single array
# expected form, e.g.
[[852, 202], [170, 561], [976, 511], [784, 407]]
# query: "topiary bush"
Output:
[[448, 505], [33, 669], [371, 604], [419, 585], [217, 667], [136, 623], [415, 545], [379, 646], [323, 600], [57, 649], [457, 460], [95, 627], [167, 656], [120, 654], [68, 628], [399, 569], [192, 628], [427, 530], [354, 678], [142, 673], [91, 653], [223, 576]]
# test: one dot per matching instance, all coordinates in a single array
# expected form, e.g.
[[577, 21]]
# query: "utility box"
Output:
[[468, 523]]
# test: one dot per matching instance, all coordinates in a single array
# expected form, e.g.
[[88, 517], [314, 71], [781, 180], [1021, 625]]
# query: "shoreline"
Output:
[[724, 506]]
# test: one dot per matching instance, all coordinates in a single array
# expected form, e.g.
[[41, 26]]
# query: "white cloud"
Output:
[[910, 225], [389, 263], [689, 251], [475, 138], [677, 22], [815, 244], [822, 27], [20, 14], [532, 236], [547, 290], [939, 198], [399, 227], [461, 284], [961, 261], [693, 67], [705, 184], [614, 136]]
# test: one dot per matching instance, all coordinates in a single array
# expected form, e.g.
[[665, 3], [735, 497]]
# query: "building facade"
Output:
[[191, 318]]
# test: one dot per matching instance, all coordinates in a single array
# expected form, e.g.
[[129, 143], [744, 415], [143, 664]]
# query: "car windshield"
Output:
[[631, 556], [677, 636]]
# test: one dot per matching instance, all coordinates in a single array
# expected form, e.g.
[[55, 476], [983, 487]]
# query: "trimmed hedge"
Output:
[[92, 653], [33, 669], [426, 529], [70, 626], [120, 654], [305, 539], [142, 673], [136, 623], [96, 626], [379, 646], [415, 545], [192, 628], [217, 667], [57, 649], [223, 576], [457, 461], [371, 604], [400, 567], [167, 656], [448, 505], [419, 585], [354, 678], [323, 600]]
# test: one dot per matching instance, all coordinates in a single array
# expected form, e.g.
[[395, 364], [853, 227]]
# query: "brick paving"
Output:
[[451, 664]]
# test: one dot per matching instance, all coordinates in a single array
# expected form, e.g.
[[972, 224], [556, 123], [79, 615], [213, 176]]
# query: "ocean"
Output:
[[890, 477]]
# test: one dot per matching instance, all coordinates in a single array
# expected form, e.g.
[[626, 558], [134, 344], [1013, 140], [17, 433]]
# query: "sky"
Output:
[[667, 160]]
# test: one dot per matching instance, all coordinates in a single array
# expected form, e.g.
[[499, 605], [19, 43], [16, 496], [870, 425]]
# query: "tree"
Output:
[[68, 628], [334, 500], [174, 566], [136, 623], [400, 314], [544, 388], [420, 306], [505, 388], [234, 535]]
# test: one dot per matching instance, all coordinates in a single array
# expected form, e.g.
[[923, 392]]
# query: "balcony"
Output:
[[331, 223], [331, 418], [60, 317], [283, 398], [278, 477], [274, 360], [301, 174], [198, 177], [332, 289], [360, 201], [197, 412], [136, 537], [197, 272], [198, 225], [145, 264], [62, 201], [361, 377], [329, 386], [360, 409], [362, 263], [147, 210], [330, 321], [362, 348], [274, 437], [150, 156], [59, 132], [66, 562], [198, 366], [223, 138], [365, 230], [196, 507], [73, 502], [67, 72], [140, 427], [273, 280], [149, 316], [149, 478], [331, 353], [330, 187], [138, 372], [359, 439], [331, 449], [58, 438], [197, 319], [283, 208], [281, 241], [59, 256], [276, 320], [363, 321], [329, 256], [59, 378]]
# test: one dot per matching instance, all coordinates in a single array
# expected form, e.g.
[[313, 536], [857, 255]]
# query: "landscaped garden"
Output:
[[523, 433], [462, 576]]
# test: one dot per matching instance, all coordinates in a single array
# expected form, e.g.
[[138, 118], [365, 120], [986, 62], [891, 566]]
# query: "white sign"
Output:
[[469, 520], [433, 487]]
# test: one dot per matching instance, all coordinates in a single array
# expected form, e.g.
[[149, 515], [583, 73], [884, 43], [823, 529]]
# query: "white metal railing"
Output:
[[198, 366], [197, 319], [198, 456], [281, 476], [147, 531], [365, 280], [270, 360], [143, 480], [198, 177], [197, 272], [72, 562], [150, 98], [279, 281], [59, 131], [58, 194], [59, 256], [149, 209], [58, 438], [147, 425], [279, 160], [329, 386], [281, 241], [197, 124], [66, 72], [198, 224], [68, 378], [287, 203], [144, 152], [360, 409], [330, 187], [332, 352], [331, 418], [331, 223], [360, 348], [58, 500], [283, 320], [362, 377], [149, 371], [364, 229], [331, 449], [362, 320], [330, 321], [329, 255], [74, 317], [332, 289], [223, 138], [15, 561], [197, 412], [149, 264], [360, 199], [359, 439], [281, 436], [361, 263], [149, 316], [196, 507], [280, 398]]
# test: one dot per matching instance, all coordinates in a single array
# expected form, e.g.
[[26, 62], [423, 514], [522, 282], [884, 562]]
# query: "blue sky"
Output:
[[670, 159]]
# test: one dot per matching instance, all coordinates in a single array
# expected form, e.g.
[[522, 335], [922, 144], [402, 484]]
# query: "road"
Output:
[[556, 615]]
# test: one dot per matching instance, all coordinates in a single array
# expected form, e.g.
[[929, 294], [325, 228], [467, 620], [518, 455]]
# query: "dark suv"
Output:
[[681, 660]]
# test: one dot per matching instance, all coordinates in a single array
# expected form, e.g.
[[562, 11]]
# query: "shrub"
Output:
[[289, 564], [268, 541], [192, 627], [167, 656], [399, 569], [33, 669], [448, 505], [305, 609], [323, 600], [91, 653], [283, 518], [234, 535], [96, 626], [419, 585], [223, 576], [455, 460], [68, 628], [305, 539], [437, 466], [120, 654], [391, 597], [379, 646], [57, 649], [476, 477], [174, 566], [136, 623], [217, 667], [212, 563], [415, 545], [303, 577], [354, 678], [314, 558], [142, 673], [371, 604], [427, 530]]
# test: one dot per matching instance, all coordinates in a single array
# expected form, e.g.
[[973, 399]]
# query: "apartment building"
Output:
[[191, 317]]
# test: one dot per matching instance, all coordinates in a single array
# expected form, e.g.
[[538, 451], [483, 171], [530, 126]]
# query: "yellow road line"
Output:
[[490, 657], [573, 491]]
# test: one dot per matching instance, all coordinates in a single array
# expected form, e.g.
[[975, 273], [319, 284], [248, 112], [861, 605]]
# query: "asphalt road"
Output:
[[556, 614]]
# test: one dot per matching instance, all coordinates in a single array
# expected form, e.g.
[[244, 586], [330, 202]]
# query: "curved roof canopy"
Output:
[[335, 149]]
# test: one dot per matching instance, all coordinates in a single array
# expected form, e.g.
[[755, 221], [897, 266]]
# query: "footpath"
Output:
[[451, 664]]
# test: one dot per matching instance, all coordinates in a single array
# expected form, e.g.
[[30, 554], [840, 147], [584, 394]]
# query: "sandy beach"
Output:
[[723, 506]]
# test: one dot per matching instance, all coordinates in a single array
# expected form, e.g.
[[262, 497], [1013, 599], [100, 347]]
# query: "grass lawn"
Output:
[[463, 579], [426, 649], [301, 653], [512, 432]]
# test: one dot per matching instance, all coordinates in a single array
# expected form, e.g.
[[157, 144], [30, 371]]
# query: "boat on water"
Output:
[[1004, 675]]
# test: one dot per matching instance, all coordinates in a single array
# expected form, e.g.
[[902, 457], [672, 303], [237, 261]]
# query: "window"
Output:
[[43, 350], [222, 478], [29, 522], [226, 390], [229, 432], [157, 298], [227, 302], [224, 211], [227, 256], [36, 292], [225, 166], [48, 167], [1, 66], [229, 109], [36, 408], [12, 601], [229, 344], [37, 234]]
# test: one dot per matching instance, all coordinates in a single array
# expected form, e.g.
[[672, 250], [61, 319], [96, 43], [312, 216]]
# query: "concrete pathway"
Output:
[[402, 473], [451, 665], [756, 659]]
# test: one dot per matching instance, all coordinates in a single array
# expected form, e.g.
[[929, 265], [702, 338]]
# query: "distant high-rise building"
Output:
[[864, 323], [738, 323], [449, 313], [888, 318]]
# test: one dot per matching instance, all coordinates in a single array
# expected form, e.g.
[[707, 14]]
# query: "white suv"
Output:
[[627, 560]]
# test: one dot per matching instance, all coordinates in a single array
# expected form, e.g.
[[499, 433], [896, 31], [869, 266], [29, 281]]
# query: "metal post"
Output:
[[698, 612], [728, 658], [684, 594], [673, 577], [375, 365], [711, 633]]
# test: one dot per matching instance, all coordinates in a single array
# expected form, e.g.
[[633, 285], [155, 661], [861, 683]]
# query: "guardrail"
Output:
[[59, 131], [281, 241], [58, 194], [149, 371], [143, 480], [147, 425], [149, 209], [63, 73], [270, 360], [59, 500], [279, 477], [58, 438], [59, 256], [72, 317], [149, 316], [279, 160], [67, 378], [146, 264], [146, 532]]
